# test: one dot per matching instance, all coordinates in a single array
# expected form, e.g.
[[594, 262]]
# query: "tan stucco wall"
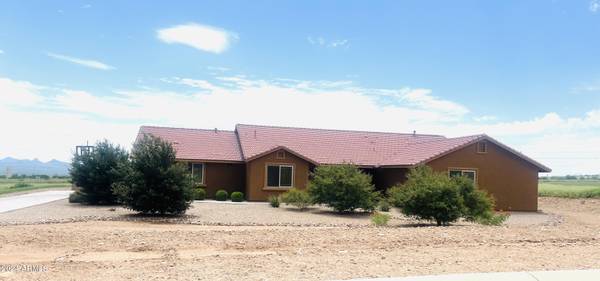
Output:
[[227, 176], [256, 189], [512, 181]]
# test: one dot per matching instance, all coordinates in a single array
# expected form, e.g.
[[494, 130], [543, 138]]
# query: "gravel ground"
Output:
[[240, 214], [569, 238]]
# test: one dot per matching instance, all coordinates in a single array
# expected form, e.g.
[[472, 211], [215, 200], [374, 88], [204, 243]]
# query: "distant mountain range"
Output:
[[33, 167]]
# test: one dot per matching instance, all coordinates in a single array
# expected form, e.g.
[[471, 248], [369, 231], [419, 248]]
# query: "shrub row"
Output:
[[220, 195], [425, 195]]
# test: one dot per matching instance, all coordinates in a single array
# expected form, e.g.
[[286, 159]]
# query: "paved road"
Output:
[[10, 203], [561, 275]]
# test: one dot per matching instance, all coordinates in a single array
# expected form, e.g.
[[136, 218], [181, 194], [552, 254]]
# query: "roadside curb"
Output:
[[558, 275]]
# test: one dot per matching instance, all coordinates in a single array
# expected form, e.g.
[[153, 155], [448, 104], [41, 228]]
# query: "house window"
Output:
[[280, 154], [197, 170], [482, 147], [471, 174], [280, 175]]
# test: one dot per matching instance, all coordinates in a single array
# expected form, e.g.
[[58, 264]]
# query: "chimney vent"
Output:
[[414, 132], [216, 130]]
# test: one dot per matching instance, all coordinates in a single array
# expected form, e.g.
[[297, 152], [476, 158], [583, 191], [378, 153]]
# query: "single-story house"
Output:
[[264, 160]]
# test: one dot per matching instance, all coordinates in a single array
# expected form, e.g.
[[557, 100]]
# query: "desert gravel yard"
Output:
[[256, 242]]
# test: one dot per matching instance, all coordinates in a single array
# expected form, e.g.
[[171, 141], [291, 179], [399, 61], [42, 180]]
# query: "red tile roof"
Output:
[[199, 144], [318, 146], [329, 146]]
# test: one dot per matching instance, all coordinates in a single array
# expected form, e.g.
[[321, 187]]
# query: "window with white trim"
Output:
[[280, 176], [469, 173], [197, 171]]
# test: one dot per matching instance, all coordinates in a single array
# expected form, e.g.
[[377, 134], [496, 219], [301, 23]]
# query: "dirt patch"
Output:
[[116, 250]]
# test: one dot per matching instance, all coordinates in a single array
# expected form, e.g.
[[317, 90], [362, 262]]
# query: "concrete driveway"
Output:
[[16, 202], [560, 275]]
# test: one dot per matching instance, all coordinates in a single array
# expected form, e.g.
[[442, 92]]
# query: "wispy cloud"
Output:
[[594, 6], [567, 144], [202, 37], [84, 62], [320, 41], [1, 52]]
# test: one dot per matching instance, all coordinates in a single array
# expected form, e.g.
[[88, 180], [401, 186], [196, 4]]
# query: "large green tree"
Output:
[[153, 182], [95, 171]]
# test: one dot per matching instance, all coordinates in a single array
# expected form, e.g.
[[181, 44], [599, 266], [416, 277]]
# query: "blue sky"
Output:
[[525, 72]]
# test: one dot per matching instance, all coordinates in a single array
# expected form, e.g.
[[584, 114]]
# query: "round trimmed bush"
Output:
[[199, 194], [221, 195], [237, 196]]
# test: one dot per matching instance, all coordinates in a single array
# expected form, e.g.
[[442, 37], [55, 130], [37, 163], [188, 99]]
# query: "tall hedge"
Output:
[[95, 172], [153, 182]]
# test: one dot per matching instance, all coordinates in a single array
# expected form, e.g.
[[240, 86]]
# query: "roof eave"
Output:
[[541, 168]]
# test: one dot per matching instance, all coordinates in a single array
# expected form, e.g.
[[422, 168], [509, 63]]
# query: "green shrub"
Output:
[[297, 198], [21, 185], [343, 188], [96, 171], [221, 195], [435, 197], [384, 205], [477, 203], [199, 194], [380, 219], [76, 197], [237, 196], [153, 182], [274, 201], [493, 219]]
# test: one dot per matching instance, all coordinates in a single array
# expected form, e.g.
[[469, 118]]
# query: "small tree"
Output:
[[96, 171], [343, 188], [153, 182]]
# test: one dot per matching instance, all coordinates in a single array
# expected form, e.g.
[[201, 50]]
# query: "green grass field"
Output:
[[18, 185], [570, 188]]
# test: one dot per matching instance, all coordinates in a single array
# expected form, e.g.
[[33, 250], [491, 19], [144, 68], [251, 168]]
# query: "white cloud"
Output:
[[1, 52], [202, 37], [18, 93], [84, 62], [423, 99], [70, 117], [594, 6], [320, 41], [485, 118]]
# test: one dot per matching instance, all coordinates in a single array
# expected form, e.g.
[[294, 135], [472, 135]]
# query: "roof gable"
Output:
[[327, 146]]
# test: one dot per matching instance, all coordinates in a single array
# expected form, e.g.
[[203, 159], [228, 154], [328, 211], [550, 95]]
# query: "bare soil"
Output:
[[273, 246]]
